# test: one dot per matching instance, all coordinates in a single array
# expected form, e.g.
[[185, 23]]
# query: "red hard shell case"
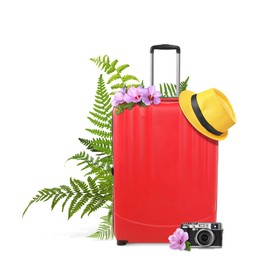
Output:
[[165, 173]]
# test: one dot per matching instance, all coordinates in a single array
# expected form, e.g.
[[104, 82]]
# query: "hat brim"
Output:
[[186, 107]]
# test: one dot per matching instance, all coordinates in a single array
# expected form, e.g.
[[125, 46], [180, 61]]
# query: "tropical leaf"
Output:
[[169, 89], [79, 193], [115, 78], [104, 230]]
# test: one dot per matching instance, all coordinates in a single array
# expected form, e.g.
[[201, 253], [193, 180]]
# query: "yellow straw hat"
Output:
[[209, 112]]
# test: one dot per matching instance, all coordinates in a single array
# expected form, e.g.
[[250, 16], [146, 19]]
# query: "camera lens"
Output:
[[204, 237]]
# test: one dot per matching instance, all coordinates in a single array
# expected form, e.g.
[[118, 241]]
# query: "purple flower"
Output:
[[133, 95], [150, 95], [119, 97], [178, 239]]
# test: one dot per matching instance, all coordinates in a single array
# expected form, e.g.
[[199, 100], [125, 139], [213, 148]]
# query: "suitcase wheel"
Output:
[[122, 242]]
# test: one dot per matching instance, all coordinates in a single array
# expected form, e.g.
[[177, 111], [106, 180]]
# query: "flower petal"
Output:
[[132, 92], [151, 90], [185, 236], [140, 89], [145, 92], [123, 90], [128, 99], [182, 246], [118, 98], [156, 100], [146, 100], [175, 246], [157, 94]]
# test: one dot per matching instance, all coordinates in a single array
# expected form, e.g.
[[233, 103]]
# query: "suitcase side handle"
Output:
[[167, 47]]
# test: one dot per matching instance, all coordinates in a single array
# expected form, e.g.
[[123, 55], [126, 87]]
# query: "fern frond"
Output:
[[69, 196], [82, 185], [169, 90], [87, 144], [117, 86], [85, 158], [56, 199], [93, 205], [105, 230], [165, 90], [129, 77], [79, 194], [101, 116], [75, 186], [122, 67], [103, 145], [184, 84], [93, 185], [173, 88], [78, 201], [116, 79], [100, 133]]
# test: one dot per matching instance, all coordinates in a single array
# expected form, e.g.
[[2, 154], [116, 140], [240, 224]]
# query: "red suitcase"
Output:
[[165, 171]]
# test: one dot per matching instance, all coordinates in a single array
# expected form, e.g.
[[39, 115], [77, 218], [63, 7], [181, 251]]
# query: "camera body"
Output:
[[204, 234]]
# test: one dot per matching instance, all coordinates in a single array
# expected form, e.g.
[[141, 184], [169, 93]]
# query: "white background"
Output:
[[47, 88]]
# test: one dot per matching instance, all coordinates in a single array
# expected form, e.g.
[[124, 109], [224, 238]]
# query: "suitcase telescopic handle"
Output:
[[167, 47]]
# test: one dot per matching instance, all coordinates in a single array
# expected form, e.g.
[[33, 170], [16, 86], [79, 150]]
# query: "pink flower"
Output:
[[119, 97], [178, 239], [150, 95], [133, 95]]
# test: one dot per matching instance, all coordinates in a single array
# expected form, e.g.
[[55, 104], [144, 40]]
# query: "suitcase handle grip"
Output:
[[167, 47]]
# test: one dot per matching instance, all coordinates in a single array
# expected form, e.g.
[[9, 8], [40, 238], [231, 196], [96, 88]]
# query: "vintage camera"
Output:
[[204, 234]]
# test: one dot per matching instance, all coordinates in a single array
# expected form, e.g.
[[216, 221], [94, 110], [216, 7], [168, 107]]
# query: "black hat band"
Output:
[[201, 118]]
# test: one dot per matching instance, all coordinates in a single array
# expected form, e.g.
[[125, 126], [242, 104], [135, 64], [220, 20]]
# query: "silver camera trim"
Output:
[[212, 237], [201, 225]]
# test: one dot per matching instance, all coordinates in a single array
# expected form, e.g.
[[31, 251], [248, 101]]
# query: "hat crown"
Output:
[[216, 109]]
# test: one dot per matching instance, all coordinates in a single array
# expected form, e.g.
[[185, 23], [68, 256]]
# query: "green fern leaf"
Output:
[[165, 90], [78, 201], [77, 156], [82, 185], [56, 199], [115, 72], [98, 203], [93, 185], [87, 144], [74, 186], [173, 88], [66, 189], [114, 77], [129, 77], [94, 204], [103, 147], [98, 116], [117, 86], [72, 208], [122, 67], [69, 196], [26, 209], [184, 84], [99, 124], [120, 108], [169, 90], [100, 133], [105, 230]]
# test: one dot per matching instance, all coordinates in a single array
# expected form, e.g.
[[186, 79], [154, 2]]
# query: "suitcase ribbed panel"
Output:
[[165, 173]]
